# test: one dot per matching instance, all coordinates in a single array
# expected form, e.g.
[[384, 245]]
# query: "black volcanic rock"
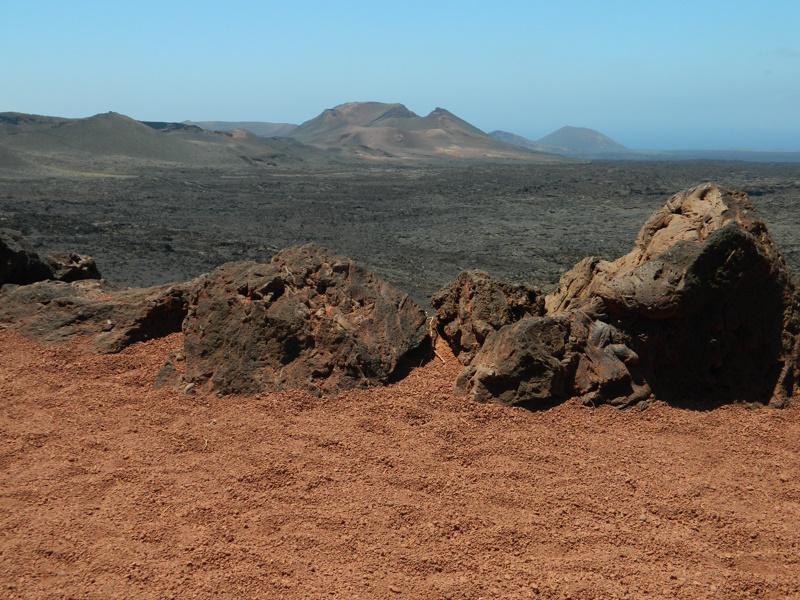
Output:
[[108, 317], [474, 305], [309, 319], [19, 262], [524, 362], [68, 266], [703, 311]]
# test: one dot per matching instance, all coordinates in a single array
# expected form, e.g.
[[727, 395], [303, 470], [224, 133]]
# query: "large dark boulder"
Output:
[[541, 360], [20, 264], [523, 362], [309, 319], [69, 267], [702, 311], [108, 317], [474, 306]]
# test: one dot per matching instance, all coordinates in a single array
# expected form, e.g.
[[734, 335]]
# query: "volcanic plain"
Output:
[[112, 489], [416, 227]]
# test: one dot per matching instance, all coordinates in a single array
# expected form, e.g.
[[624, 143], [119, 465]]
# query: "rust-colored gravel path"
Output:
[[111, 489]]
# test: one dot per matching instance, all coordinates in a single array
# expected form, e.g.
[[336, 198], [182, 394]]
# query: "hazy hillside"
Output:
[[375, 130], [114, 142], [517, 140], [10, 160], [108, 134], [260, 128], [13, 122], [582, 141]]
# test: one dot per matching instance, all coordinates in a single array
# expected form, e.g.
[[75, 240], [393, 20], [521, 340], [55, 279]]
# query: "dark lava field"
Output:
[[416, 227]]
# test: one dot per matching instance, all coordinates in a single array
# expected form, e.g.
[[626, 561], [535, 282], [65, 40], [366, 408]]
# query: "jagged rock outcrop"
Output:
[[702, 311], [474, 305], [551, 358], [110, 317], [68, 267], [526, 361], [20, 264], [309, 319]]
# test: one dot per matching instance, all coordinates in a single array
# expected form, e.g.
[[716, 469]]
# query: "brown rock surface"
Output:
[[474, 305], [20, 264], [540, 361], [54, 312], [702, 311], [68, 266], [523, 362], [113, 489], [310, 319]]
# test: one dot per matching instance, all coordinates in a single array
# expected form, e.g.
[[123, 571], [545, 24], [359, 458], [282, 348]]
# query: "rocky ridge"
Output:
[[703, 311], [309, 319]]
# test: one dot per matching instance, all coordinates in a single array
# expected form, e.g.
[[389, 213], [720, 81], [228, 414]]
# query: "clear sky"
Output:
[[650, 74]]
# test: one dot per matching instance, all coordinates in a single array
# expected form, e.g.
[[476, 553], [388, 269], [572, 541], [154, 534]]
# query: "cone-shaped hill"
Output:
[[581, 140], [393, 132]]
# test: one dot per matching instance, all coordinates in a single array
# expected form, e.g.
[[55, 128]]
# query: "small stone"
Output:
[[394, 589], [189, 389]]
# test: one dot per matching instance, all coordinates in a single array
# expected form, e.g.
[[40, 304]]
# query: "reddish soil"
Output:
[[111, 489]]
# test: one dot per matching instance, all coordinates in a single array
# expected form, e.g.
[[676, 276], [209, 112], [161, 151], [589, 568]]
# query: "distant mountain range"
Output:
[[581, 142], [352, 133], [111, 141], [375, 131]]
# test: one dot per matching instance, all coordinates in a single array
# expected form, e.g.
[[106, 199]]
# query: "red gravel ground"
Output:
[[111, 489]]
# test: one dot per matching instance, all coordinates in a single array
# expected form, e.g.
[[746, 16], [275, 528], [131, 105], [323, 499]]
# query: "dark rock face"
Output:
[[21, 265], [19, 262], [56, 297], [309, 319], [55, 312], [523, 362], [474, 306], [68, 266], [702, 311], [546, 359]]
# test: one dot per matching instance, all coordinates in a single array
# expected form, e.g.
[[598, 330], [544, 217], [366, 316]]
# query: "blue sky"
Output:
[[649, 74]]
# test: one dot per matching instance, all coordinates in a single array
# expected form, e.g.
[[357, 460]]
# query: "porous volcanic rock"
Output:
[[309, 319], [68, 266], [20, 264], [474, 305], [702, 311], [112, 318], [541, 360], [526, 361]]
